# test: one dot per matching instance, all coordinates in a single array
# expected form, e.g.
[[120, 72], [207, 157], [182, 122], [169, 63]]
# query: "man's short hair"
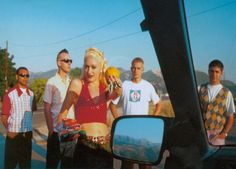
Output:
[[137, 59], [20, 68], [216, 63], [62, 51]]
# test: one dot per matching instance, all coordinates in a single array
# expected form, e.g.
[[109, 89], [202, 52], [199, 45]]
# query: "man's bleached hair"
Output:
[[137, 59]]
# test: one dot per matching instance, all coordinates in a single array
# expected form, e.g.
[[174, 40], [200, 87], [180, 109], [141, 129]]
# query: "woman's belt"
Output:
[[99, 139], [98, 142]]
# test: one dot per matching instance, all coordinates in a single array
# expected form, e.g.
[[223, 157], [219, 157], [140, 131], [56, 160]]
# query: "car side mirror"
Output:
[[138, 139]]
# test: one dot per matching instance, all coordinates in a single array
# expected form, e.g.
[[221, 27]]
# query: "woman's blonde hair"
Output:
[[97, 54]]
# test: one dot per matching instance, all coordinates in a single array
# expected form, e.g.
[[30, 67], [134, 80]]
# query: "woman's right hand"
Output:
[[60, 119]]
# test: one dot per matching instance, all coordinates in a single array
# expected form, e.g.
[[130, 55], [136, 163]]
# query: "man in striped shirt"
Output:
[[17, 119]]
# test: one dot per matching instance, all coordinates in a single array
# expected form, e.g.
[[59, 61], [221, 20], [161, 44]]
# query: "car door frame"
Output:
[[186, 140]]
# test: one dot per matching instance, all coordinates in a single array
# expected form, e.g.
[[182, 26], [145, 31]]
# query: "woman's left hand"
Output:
[[222, 136], [116, 82]]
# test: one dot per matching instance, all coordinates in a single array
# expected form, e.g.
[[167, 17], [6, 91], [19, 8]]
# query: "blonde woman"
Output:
[[91, 98]]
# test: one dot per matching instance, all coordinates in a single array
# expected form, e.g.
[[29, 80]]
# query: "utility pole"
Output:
[[6, 67]]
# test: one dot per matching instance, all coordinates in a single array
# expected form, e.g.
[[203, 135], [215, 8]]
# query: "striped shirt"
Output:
[[17, 105]]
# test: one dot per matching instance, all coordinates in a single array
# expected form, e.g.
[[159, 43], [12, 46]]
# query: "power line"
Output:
[[115, 38], [107, 24], [211, 9], [92, 44], [82, 34], [114, 21]]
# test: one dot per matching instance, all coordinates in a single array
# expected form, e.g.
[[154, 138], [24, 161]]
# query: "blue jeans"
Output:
[[59, 151]]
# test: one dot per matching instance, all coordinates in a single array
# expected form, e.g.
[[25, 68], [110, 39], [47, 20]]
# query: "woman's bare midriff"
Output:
[[95, 129]]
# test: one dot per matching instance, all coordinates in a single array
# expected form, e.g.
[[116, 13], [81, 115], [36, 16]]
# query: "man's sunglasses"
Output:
[[24, 75], [66, 60]]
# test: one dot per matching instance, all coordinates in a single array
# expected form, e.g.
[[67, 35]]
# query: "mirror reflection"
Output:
[[138, 138]]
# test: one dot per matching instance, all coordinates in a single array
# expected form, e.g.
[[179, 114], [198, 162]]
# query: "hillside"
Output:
[[46, 74], [153, 76], [201, 77], [136, 148]]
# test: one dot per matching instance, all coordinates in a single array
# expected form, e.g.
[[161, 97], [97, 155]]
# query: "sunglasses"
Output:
[[24, 75], [66, 60]]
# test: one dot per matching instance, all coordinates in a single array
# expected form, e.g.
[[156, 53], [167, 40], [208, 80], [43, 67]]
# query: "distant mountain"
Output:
[[136, 148], [47, 74], [201, 77], [230, 85], [134, 141], [153, 76], [156, 79], [124, 74]]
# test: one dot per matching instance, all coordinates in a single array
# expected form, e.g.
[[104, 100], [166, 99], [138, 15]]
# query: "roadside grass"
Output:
[[166, 109]]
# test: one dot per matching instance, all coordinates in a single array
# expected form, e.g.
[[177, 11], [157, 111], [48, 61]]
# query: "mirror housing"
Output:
[[138, 139]]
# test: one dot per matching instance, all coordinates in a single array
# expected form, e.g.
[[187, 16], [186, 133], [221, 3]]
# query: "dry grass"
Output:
[[166, 109]]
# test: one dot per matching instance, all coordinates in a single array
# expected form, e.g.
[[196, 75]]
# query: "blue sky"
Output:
[[138, 127], [32, 27], [212, 25], [37, 30]]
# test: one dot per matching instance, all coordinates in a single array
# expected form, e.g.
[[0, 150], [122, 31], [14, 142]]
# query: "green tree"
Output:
[[38, 86], [9, 80], [75, 72]]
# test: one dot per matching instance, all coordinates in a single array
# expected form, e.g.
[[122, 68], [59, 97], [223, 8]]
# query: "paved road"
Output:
[[39, 144]]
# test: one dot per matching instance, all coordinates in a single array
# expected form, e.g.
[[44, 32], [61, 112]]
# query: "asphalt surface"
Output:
[[39, 141]]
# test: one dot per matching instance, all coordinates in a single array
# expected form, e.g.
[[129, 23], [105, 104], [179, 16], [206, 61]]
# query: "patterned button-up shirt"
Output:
[[17, 106]]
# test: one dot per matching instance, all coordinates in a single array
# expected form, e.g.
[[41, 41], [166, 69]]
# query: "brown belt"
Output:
[[99, 139], [14, 134]]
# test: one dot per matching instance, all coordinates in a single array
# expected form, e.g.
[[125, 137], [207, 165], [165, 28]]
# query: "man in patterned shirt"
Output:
[[17, 119], [217, 104]]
